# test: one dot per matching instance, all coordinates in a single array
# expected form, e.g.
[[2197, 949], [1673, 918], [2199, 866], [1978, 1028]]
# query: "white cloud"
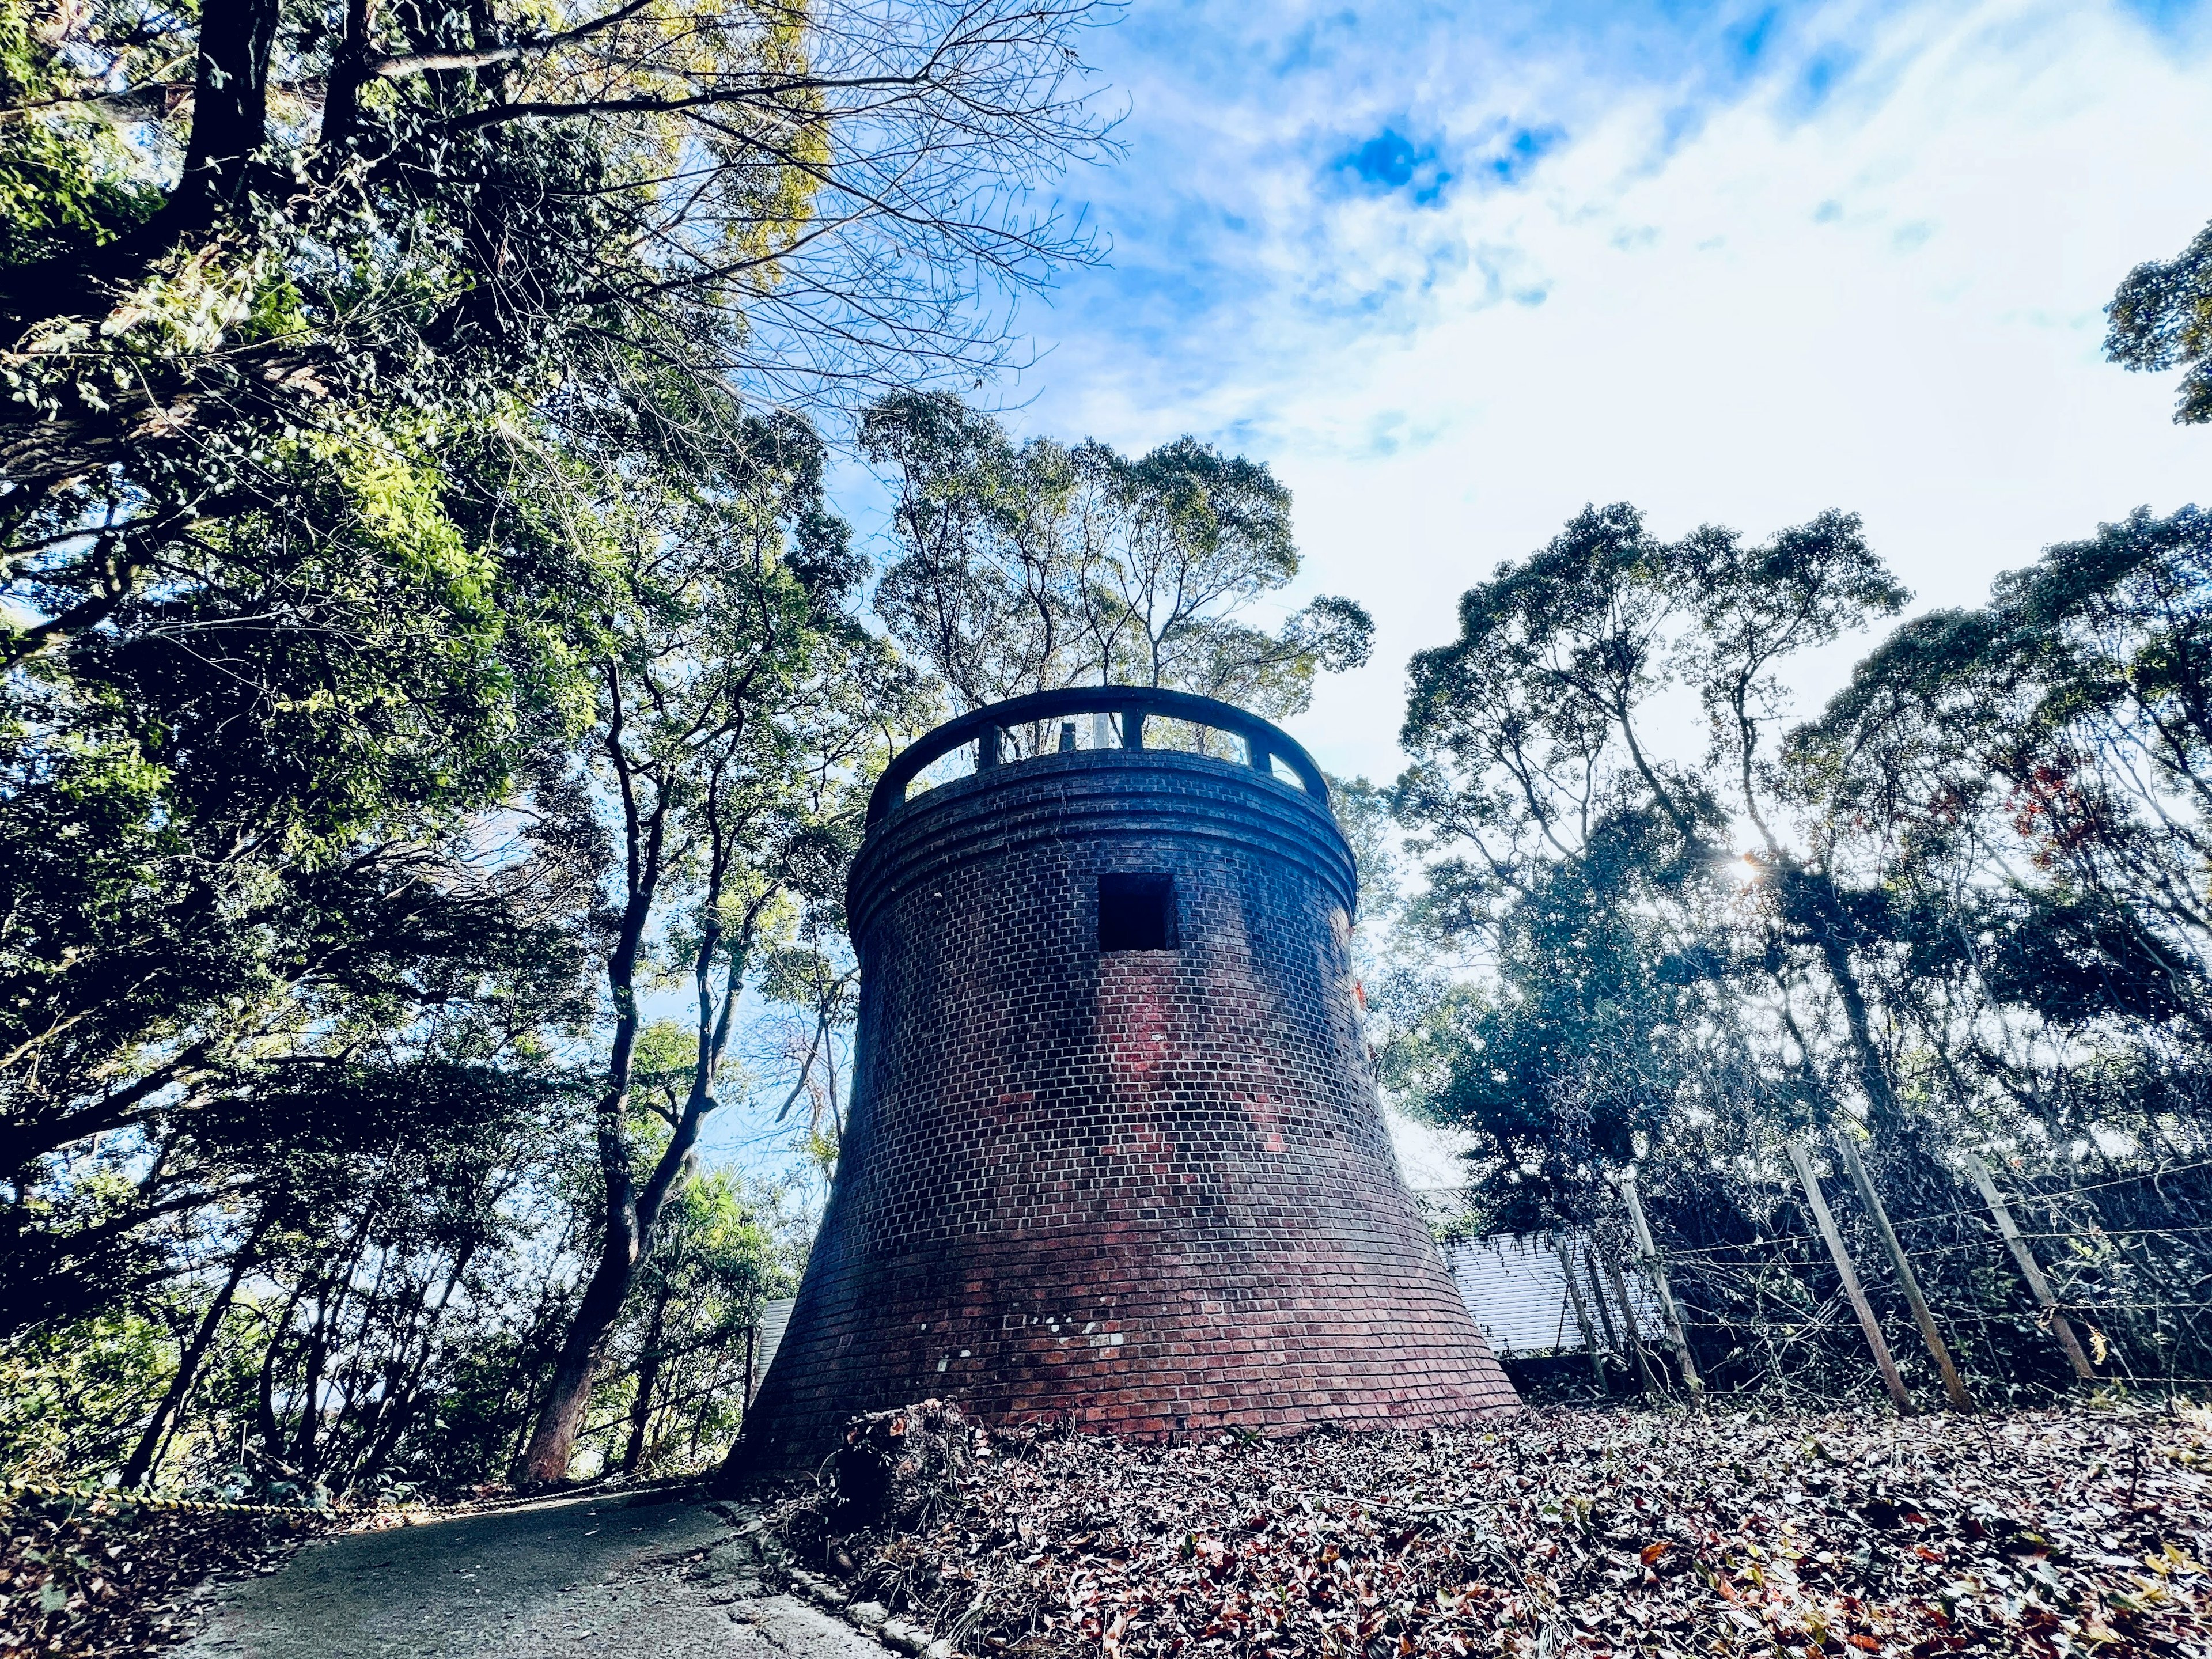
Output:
[[1885, 298]]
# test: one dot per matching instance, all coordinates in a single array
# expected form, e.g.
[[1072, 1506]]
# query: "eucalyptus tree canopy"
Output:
[[1544, 714], [2032, 780], [1023, 568], [1601, 868]]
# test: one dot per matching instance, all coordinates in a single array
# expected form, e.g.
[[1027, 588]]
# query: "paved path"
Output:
[[579, 1576]]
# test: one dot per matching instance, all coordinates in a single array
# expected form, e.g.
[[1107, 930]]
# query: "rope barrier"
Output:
[[123, 1496], [119, 1495], [2102, 1230]]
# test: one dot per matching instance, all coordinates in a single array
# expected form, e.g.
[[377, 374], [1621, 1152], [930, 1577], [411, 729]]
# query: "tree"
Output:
[[982, 591], [394, 1204], [1597, 873], [735, 698], [1962, 909], [700, 1294], [789, 195], [1029, 568], [286, 865], [2162, 319], [2034, 777], [258, 822]]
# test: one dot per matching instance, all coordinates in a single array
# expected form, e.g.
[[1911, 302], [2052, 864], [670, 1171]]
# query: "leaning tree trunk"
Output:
[[629, 1215], [630, 1235], [171, 1408], [632, 1211], [648, 1378], [553, 1440]]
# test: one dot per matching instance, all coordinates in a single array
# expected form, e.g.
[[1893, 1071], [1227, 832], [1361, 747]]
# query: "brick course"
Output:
[[1147, 1192]]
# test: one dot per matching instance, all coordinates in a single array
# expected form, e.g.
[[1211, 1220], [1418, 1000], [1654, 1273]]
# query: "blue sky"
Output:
[[1453, 270]]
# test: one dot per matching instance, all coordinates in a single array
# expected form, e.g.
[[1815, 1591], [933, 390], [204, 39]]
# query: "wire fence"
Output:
[[2029, 1280]]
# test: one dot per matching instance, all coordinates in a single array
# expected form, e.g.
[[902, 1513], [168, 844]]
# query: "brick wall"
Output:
[[1147, 1191]]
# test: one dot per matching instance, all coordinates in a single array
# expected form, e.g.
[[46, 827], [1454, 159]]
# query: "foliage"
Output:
[[2162, 319], [425, 636], [1643, 987], [320, 698], [393, 566], [356, 218], [423, 1308], [257, 862], [2033, 774], [1032, 567], [70, 1397], [61, 180]]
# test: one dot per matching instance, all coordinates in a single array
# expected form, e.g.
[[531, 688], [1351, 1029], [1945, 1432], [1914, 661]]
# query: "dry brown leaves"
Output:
[[99, 1579], [1571, 1532]]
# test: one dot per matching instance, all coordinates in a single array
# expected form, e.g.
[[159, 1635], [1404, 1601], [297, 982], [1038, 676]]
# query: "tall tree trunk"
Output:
[[632, 1211], [385, 1395], [230, 123], [629, 1236], [349, 73], [230, 106], [626, 1233], [553, 1440], [330, 1292], [265, 1394], [350, 1425], [1811, 907], [305, 1448]]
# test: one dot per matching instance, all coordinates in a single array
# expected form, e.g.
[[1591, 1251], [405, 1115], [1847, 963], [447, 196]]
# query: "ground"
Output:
[[1554, 1534], [582, 1577]]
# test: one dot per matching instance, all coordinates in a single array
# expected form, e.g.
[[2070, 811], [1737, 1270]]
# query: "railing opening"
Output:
[[1094, 717]]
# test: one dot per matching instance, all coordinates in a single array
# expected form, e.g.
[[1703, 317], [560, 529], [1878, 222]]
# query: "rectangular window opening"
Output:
[[1136, 912]]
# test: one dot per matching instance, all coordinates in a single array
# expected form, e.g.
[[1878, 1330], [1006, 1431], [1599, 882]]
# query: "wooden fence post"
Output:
[[1581, 1314], [1849, 1274], [1613, 1345], [2038, 1287], [1651, 1383], [1960, 1399], [1650, 1251]]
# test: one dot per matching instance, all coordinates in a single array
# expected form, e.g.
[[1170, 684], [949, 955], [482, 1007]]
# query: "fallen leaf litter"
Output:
[[103, 1578], [1557, 1532]]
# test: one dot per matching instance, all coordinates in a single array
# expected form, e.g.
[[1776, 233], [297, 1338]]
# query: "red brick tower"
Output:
[[1114, 1152]]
